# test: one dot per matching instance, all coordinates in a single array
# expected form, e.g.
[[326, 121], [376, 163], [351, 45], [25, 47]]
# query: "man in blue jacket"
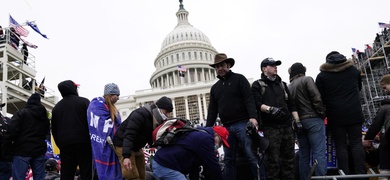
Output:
[[197, 148]]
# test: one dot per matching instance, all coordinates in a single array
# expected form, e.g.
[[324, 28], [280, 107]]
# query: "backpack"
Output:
[[170, 130]]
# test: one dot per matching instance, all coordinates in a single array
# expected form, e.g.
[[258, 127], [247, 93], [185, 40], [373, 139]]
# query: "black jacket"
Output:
[[231, 98], [339, 85], [307, 98], [381, 120], [69, 117], [274, 95], [27, 130], [138, 132]]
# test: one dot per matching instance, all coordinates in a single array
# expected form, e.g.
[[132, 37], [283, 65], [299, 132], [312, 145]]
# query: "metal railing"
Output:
[[342, 175]]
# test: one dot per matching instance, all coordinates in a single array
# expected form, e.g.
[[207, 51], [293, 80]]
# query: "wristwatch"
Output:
[[268, 109]]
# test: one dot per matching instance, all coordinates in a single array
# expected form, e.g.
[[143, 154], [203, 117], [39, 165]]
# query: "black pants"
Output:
[[76, 155], [349, 147]]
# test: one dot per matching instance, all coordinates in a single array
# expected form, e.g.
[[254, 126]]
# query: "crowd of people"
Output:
[[96, 143]]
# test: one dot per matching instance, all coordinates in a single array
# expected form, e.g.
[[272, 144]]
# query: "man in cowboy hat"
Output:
[[231, 98]]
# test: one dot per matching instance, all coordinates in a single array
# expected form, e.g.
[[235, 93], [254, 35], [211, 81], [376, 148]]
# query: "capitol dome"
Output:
[[182, 73], [185, 56], [184, 31]]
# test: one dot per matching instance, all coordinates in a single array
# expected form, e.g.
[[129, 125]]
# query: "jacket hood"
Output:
[[329, 67], [34, 99], [68, 87], [35, 107]]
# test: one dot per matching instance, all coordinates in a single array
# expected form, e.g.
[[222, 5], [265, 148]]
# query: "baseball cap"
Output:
[[223, 133], [270, 61]]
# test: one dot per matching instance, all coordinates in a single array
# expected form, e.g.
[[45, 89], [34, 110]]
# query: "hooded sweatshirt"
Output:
[[69, 116], [28, 129]]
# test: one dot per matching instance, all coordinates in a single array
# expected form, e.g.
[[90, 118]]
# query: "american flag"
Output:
[[18, 28], [147, 156], [383, 25], [29, 44], [181, 68]]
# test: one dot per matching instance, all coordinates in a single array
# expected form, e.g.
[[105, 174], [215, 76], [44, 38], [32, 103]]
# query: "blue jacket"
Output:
[[194, 149]]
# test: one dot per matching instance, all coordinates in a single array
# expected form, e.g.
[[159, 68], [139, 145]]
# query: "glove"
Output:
[[250, 128], [277, 112], [297, 126]]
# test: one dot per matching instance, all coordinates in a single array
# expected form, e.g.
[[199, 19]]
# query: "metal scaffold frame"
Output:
[[18, 76], [373, 64]]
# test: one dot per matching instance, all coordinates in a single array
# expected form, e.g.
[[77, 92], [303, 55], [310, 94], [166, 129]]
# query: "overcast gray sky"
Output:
[[95, 42]]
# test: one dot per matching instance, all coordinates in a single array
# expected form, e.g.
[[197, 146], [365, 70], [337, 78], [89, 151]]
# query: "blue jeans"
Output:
[[5, 170], [312, 145], [238, 135], [166, 173], [21, 164]]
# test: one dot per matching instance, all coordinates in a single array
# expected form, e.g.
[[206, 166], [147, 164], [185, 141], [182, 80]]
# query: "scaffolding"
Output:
[[373, 64], [18, 76]]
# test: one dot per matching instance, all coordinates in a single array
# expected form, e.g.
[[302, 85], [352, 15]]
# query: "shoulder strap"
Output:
[[283, 84], [263, 85]]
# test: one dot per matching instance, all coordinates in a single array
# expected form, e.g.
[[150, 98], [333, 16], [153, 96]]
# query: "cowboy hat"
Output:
[[221, 57]]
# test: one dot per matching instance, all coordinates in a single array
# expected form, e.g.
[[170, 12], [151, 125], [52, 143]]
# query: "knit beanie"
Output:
[[335, 57], [165, 103], [111, 88], [34, 99], [297, 68]]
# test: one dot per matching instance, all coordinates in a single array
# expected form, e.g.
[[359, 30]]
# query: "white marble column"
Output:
[[209, 74], [205, 105], [196, 74], [174, 76], [167, 80], [202, 78], [188, 76], [174, 107], [200, 107], [187, 109]]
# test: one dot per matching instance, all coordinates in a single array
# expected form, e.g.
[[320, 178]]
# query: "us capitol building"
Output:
[[187, 47]]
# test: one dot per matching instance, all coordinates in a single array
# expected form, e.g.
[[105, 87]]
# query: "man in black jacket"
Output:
[[339, 83], [71, 133], [135, 132], [276, 110], [25, 139], [231, 99]]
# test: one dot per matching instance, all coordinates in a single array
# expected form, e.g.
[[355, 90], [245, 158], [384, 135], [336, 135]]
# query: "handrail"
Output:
[[5, 38]]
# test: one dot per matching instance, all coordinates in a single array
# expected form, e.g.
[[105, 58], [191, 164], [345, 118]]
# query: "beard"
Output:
[[222, 72]]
